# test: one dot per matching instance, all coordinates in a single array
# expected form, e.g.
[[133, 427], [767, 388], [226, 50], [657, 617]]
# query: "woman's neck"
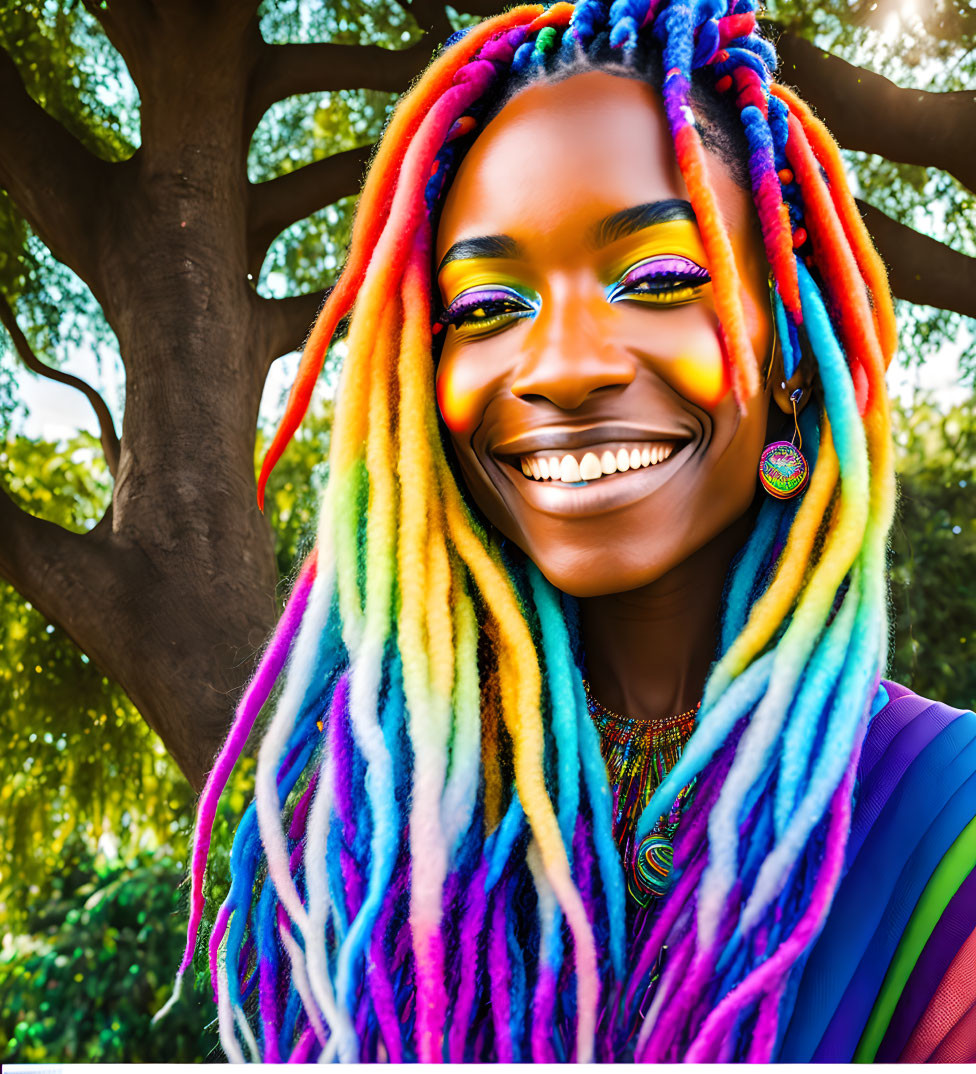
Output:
[[648, 651]]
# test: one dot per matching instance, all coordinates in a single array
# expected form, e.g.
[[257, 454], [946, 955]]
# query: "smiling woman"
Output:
[[605, 272], [585, 337]]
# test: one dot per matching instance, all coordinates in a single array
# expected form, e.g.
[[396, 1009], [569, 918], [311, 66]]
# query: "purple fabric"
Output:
[[886, 725], [896, 740], [895, 690], [954, 927], [924, 816], [904, 747]]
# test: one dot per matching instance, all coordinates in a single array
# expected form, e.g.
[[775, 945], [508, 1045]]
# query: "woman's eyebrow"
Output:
[[610, 229], [486, 246], [628, 221]]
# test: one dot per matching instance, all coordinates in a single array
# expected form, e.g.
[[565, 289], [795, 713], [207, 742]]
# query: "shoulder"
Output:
[[904, 723], [895, 949], [917, 753], [918, 770]]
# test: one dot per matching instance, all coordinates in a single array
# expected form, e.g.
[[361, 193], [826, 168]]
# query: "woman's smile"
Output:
[[588, 470]]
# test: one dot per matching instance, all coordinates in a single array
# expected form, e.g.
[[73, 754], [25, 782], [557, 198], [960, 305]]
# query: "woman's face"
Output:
[[582, 377]]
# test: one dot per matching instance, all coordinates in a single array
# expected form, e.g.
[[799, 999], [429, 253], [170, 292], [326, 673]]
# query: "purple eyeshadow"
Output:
[[507, 302], [466, 302], [675, 268]]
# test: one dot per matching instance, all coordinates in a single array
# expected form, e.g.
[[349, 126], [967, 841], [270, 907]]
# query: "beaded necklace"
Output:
[[638, 755]]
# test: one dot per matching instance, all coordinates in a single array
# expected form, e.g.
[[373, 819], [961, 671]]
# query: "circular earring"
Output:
[[783, 470]]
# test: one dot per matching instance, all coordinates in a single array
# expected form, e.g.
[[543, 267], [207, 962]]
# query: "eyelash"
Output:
[[675, 280], [496, 306]]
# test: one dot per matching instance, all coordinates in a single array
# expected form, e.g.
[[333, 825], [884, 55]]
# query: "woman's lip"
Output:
[[567, 439], [607, 493]]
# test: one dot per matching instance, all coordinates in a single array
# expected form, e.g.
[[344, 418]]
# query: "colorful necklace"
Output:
[[638, 755]]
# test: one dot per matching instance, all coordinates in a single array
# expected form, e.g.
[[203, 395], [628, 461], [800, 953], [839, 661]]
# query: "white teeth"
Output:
[[589, 467], [569, 470]]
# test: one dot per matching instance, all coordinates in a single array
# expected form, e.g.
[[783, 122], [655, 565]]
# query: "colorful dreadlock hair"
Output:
[[427, 870]]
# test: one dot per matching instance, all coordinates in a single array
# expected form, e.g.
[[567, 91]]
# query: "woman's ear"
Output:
[[803, 378]]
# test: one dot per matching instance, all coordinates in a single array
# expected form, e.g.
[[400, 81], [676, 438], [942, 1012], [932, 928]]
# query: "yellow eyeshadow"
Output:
[[459, 276], [675, 238]]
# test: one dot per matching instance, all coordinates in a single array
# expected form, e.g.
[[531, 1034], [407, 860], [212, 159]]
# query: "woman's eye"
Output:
[[476, 312], [662, 281]]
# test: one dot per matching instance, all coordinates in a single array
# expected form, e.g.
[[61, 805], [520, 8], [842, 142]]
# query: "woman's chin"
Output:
[[600, 571], [632, 557]]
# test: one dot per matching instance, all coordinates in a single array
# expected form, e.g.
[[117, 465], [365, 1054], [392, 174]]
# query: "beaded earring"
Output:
[[783, 470]]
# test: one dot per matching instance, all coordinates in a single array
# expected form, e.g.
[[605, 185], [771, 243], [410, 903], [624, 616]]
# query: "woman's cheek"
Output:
[[683, 346], [701, 373]]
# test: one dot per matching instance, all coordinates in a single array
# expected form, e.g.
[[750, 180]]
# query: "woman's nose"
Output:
[[565, 358]]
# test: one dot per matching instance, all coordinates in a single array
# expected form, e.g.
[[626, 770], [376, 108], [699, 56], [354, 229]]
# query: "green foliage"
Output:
[[931, 48], [94, 961], [933, 567], [295, 485], [302, 129], [69, 67], [89, 798], [79, 761], [73, 740]]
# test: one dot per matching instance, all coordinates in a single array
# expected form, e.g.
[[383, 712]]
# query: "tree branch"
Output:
[[866, 111], [285, 70], [58, 571], [921, 269], [54, 180], [286, 322], [108, 436], [115, 27], [431, 17], [482, 8], [276, 203]]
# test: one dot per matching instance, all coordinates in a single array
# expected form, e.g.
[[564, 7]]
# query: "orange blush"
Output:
[[457, 406]]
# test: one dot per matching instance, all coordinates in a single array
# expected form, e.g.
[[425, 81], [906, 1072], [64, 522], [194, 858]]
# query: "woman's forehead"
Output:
[[559, 157]]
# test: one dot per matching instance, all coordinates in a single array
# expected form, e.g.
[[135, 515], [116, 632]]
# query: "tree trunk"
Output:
[[175, 593], [172, 594], [197, 556]]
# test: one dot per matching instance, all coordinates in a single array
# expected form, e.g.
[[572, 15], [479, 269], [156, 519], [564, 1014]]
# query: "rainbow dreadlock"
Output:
[[428, 870]]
